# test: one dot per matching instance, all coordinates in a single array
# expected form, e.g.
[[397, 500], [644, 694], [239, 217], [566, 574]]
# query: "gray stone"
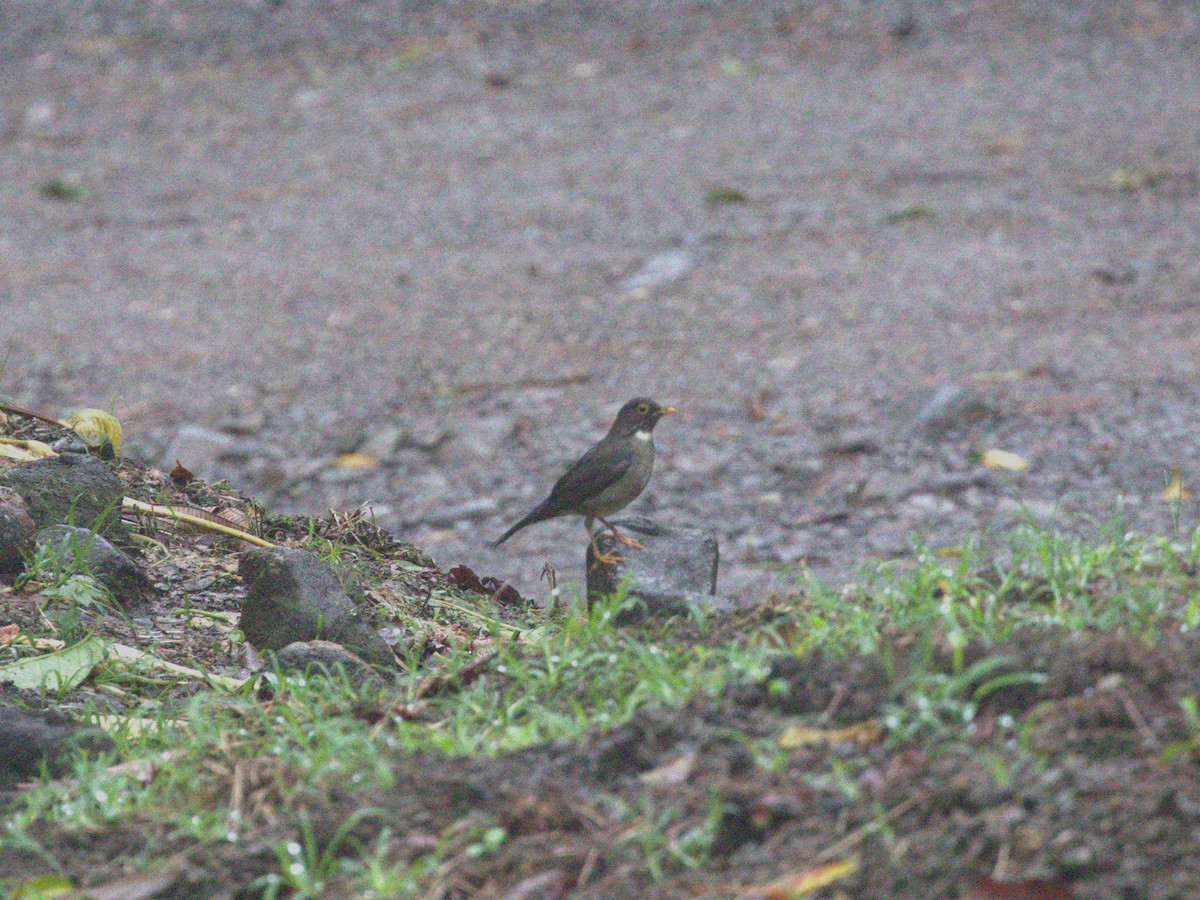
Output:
[[951, 405], [69, 490], [381, 441], [676, 571], [17, 529], [423, 433], [30, 739], [665, 267], [852, 442], [111, 567], [891, 487], [328, 659], [293, 596]]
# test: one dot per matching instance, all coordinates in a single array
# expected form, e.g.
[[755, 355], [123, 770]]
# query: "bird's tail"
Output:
[[504, 537], [536, 516]]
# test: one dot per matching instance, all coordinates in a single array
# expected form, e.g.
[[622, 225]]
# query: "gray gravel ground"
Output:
[[466, 233]]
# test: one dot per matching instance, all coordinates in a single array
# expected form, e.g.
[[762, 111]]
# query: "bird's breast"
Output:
[[625, 491]]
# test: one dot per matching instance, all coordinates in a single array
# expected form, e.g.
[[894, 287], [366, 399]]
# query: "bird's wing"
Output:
[[597, 470]]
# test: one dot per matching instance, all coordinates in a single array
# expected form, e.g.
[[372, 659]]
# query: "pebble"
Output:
[[381, 441], [948, 406], [659, 270]]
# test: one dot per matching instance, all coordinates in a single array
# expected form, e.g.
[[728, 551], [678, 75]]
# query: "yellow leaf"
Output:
[[1175, 491], [792, 887], [864, 734], [355, 461], [24, 451], [43, 887], [1005, 461], [97, 428]]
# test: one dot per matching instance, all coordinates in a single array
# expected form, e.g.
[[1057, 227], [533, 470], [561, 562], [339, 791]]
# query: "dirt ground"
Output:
[[486, 225], [466, 233]]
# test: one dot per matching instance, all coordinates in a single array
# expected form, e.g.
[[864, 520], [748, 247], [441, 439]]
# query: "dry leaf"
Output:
[[356, 461], [791, 887], [671, 773], [1175, 492], [864, 734], [24, 451], [8, 633], [1004, 461], [181, 475], [97, 428]]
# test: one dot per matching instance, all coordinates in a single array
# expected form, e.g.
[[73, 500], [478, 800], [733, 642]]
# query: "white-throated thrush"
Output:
[[607, 478]]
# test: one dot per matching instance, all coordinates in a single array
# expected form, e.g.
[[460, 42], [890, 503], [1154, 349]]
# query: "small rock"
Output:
[[956, 482], [245, 422], [929, 505], [659, 270], [424, 433], [1040, 512], [676, 571], [799, 473], [891, 487], [293, 596], [382, 441], [329, 659], [30, 739], [114, 569], [852, 443], [17, 529], [72, 489], [948, 406]]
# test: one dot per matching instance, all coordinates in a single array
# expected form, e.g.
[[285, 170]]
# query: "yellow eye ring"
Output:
[[643, 408]]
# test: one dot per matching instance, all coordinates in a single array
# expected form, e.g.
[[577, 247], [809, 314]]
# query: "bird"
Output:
[[606, 479]]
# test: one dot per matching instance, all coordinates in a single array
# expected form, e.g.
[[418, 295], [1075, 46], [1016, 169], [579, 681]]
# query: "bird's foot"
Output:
[[628, 541], [599, 559]]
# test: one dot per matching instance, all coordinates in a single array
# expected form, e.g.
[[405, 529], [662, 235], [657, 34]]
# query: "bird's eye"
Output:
[[643, 408]]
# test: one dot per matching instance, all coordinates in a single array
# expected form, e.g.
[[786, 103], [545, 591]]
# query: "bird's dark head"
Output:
[[639, 415]]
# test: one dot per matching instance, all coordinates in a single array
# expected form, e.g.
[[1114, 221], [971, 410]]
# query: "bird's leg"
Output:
[[600, 559], [627, 541]]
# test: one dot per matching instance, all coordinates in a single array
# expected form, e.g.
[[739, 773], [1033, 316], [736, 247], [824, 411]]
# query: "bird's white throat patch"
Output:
[[642, 435]]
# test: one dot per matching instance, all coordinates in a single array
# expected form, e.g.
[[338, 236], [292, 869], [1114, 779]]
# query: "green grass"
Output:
[[1037, 579], [296, 740]]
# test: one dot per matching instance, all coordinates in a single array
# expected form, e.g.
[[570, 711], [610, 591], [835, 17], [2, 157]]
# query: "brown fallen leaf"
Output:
[[465, 579], [181, 475]]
